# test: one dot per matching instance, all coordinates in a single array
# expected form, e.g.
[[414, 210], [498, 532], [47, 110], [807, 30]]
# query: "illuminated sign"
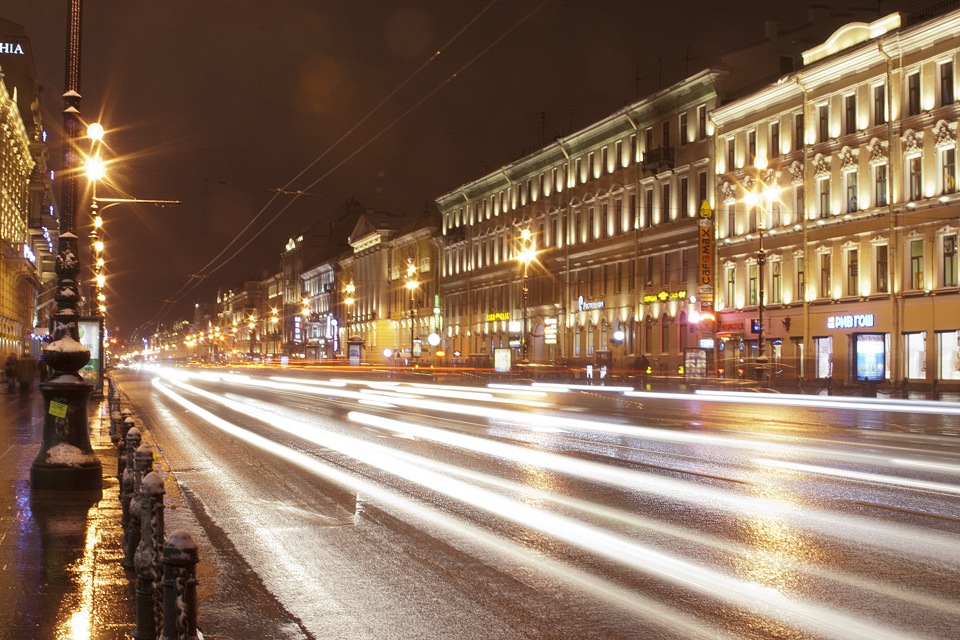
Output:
[[29, 255], [499, 315], [13, 48], [297, 329], [589, 305], [550, 331], [705, 258], [858, 321], [665, 295]]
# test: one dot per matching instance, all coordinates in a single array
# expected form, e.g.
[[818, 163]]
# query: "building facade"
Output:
[[853, 250]]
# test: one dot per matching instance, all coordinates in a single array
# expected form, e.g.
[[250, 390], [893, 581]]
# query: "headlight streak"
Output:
[[602, 473], [657, 527], [475, 539], [932, 466], [861, 476], [833, 402], [711, 583]]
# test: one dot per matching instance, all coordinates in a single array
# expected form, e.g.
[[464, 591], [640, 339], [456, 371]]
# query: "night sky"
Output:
[[221, 103]]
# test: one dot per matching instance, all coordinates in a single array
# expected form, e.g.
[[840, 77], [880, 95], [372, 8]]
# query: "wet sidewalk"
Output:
[[60, 572]]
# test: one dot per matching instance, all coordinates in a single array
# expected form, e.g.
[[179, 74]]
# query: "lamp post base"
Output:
[[66, 462]]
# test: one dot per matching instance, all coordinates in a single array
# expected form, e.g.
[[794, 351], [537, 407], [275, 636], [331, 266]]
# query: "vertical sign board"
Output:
[[705, 253], [501, 360], [91, 337]]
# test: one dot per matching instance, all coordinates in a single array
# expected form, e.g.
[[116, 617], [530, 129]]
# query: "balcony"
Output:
[[659, 159]]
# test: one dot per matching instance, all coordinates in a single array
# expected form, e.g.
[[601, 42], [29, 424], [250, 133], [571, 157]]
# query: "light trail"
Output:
[[860, 476], [469, 537], [767, 601]]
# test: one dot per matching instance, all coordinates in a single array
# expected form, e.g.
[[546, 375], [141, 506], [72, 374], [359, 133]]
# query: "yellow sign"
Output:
[[58, 409], [705, 211], [500, 315]]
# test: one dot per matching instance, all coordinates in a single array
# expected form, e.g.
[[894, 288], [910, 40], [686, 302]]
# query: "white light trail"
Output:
[[706, 581], [861, 476]]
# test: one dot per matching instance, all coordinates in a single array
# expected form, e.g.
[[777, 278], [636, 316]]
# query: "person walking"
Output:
[[26, 371], [10, 370]]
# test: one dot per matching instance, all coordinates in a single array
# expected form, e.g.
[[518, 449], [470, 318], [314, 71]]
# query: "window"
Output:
[[618, 283], [752, 218], [731, 286], [731, 220], [620, 222], [850, 113], [883, 271], [618, 159], [648, 206], [701, 188], [798, 132], [823, 122], [950, 260], [798, 202], [731, 154], [946, 83], [913, 94], [825, 275], [801, 279], [774, 140], [665, 134], [702, 122], [604, 161], [915, 177], [648, 142], [591, 167], [604, 221], [948, 170], [665, 202], [634, 213], [776, 280], [880, 104], [850, 180], [853, 279], [591, 233], [633, 148], [776, 218], [684, 204], [916, 264], [752, 276], [633, 275], [880, 185], [649, 274], [751, 146], [683, 129], [577, 171], [823, 193]]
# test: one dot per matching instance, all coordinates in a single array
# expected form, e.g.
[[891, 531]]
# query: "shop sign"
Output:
[[550, 331], [705, 259], [851, 321], [665, 295], [499, 315], [297, 330], [12, 48], [589, 305]]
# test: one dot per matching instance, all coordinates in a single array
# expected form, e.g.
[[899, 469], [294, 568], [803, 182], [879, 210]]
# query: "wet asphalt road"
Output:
[[348, 510]]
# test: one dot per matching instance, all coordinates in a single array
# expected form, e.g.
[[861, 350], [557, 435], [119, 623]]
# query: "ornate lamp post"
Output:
[[759, 193], [412, 284], [527, 254], [66, 461]]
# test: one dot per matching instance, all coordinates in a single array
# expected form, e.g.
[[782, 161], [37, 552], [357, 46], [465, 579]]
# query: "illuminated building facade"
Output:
[[28, 224], [860, 243], [612, 212]]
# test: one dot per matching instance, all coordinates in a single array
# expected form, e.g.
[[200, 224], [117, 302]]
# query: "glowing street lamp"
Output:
[[412, 284], [527, 254]]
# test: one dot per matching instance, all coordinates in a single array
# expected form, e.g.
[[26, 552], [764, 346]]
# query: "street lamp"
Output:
[[412, 284], [527, 254], [759, 192]]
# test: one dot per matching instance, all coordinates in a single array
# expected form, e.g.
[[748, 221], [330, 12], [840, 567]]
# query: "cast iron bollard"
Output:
[[149, 609], [127, 479], [125, 426], [115, 420], [142, 465], [180, 587]]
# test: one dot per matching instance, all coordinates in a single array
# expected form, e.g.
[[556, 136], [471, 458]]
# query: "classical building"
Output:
[[28, 224], [392, 282], [850, 250], [611, 213]]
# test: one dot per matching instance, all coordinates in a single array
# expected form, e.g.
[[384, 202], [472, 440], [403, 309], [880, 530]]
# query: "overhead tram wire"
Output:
[[209, 269], [191, 284]]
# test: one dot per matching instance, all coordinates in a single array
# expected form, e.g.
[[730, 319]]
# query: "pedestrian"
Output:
[[10, 370], [26, 371]]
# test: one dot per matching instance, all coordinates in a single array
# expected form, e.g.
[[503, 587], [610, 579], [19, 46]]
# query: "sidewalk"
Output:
[[60, 572]]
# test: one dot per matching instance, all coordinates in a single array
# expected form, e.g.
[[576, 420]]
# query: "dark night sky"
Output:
[[216, 102]]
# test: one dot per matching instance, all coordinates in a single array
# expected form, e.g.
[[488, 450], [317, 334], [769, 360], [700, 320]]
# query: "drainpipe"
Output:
[[805, 356]]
